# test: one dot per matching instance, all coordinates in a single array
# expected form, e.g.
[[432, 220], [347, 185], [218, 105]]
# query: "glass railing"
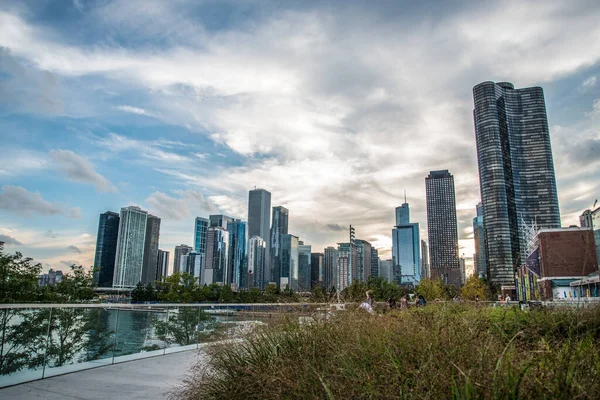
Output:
[[44, 340]]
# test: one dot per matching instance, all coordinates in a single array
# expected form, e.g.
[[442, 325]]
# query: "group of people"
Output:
[[367, 305]]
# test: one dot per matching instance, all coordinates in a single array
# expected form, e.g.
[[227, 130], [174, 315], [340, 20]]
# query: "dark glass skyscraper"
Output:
[[442, 227], [479, 238], [238, 248], [406, 248], [516, 171], [316, 269], [259, 215], [279, 227], [200, 227], [374, 262], [304, 268], [330, 267], [289, 262], [106, 248], [151, 249]]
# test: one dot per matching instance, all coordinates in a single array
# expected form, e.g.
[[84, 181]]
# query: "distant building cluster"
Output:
[[516, 228]]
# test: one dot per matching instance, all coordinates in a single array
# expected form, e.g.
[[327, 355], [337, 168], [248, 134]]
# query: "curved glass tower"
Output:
[[516, 171]]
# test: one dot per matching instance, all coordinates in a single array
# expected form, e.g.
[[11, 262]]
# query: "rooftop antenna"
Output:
[[595, 202], [404, 196]]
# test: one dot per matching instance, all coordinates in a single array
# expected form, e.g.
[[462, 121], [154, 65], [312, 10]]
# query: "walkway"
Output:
[[149, 378]]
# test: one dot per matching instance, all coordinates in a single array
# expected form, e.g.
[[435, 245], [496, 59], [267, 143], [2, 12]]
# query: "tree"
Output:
[[271, 293], [138, 294], [18, 278], [474, 287], [430, 289], [226, 294]]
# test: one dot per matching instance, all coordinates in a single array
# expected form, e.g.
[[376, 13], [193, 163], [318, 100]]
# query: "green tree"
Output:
[[431, 289], [474, 287], [183, 325], [18, 278], [138, 294], [271, 294], [318, 294], [226, 294]]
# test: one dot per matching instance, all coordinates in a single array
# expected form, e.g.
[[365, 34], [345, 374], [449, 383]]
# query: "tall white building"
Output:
[[130, 247], [256, 256]]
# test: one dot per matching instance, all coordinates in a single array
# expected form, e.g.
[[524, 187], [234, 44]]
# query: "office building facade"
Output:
[[516, 172], [162, 269], [374, 262], [259, 215], [347, 261], [479, 240], [256, 256], [304, 268], [220, 220], [406, 248], [201, 226], [289, 262], [424, 260], [238, 271], [151, 249], [179, 263], [279, 227], [442, 227], [216, 268], [316, 269], [330, 265], [130, 247], [362, 272], [106, 248]]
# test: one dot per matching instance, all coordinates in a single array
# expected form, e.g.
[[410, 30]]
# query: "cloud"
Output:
[[78, 169], [189, 204], [74, 212], [588, 83], [134, 110], [595, 109], [336, 227], [9, 240], [151, 150], [68, 263], [74, 249], [21, 201]]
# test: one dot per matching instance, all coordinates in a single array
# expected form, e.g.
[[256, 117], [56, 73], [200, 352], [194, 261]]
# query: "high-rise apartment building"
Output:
[[162, 270], [216, 266], [363, 260], [347, 261], [330, 266], [106, 248], [179, 263], [374, 262], [200, 228], [192, 263], [130, 247], [279, 227], [386, 270], [479, 239], [256, 255], [289, 262], [238, 271], [406, 248], [316, 269], [424, 260], [442, 227], [304, 267], [259, 215], [151, 249], [516, 172]]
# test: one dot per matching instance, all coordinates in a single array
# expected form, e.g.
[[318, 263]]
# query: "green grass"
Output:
[[437, 352]]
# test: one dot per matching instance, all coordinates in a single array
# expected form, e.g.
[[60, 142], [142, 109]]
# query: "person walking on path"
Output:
[[367, 305]]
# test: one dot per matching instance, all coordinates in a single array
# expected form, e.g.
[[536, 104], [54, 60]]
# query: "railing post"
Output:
[[47, 343], [116, 336]]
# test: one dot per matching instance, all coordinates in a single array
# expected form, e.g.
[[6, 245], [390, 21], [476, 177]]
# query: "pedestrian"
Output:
[[422, 301], [392, 303], [476, 298], [404, 303], [367, 305]]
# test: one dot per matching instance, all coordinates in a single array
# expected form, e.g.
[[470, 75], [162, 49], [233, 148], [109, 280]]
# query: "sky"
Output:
[[337, 108]]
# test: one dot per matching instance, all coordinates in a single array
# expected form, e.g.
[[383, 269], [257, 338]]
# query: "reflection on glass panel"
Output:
[[23, 343], [137, 335], [79, 338], [183, 327]]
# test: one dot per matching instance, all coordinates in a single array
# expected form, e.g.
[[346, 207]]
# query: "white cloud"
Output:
[[134, 110], [595, 109], [9, 240], [19, 200], [189, 204], [588, 83], [78, 169]]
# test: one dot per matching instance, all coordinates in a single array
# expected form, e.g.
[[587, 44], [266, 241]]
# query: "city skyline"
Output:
[[184, 125]]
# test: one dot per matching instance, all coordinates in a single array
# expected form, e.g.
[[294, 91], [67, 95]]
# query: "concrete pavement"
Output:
[[149, 378]]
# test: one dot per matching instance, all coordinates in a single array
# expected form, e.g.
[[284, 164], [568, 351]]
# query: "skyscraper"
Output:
[[374, 262], [130, 247], [316, 269], [162, 270], [304, 268], [347, 259], [179, 264], [216, 268], [151, 249], [516, 172], [256, 255], [279, 227], [106, 248], [479, 238], [406, 248], [200, 227], [442, 227], [238, 271], [330, 266], [193, 263], [585, 219], [220, 220], [289, 262], [386, 270], [424, 260], [259, 215], [363, 260]]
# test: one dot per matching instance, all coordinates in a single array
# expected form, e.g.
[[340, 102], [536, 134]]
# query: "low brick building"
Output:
[[563, 255]]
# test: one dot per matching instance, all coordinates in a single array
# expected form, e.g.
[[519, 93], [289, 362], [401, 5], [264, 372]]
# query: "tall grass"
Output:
[[436, 352]]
